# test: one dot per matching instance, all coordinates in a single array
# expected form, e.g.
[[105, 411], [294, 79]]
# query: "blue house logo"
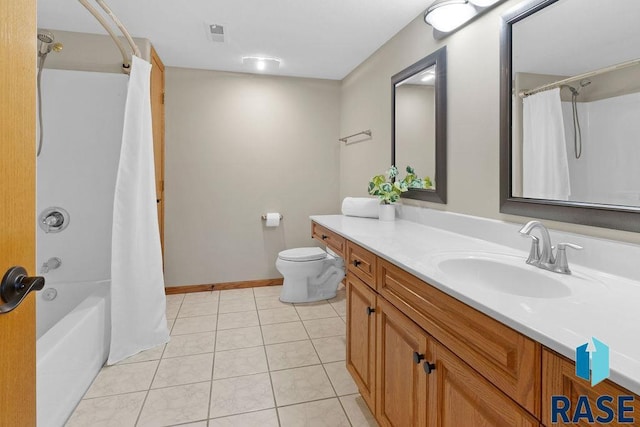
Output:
[[592, 361]]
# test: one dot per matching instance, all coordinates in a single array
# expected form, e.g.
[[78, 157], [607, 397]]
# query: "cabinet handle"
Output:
[[370, 311], [356, 262], [429, 367], [417, 357], [324, 237]]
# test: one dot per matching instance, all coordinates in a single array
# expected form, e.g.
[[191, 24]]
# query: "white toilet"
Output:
[[310, 274]]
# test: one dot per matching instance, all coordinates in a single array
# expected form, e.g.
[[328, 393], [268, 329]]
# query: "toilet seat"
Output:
[[302, 254]]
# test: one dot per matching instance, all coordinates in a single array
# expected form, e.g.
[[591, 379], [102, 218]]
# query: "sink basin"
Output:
[[504, 276]]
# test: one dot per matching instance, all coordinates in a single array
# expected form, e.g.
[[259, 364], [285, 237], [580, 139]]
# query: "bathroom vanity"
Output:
[[427, 351]]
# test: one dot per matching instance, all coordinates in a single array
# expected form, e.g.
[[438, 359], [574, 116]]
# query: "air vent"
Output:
[[216, 33]]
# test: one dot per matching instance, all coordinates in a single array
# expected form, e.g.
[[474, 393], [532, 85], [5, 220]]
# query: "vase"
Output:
[[387, 212]]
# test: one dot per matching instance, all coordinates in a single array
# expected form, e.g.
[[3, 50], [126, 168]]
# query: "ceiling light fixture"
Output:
[[483, 3], [446, 16], [262, 64]]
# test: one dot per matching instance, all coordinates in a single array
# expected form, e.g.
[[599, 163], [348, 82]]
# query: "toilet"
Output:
[[310, 274]]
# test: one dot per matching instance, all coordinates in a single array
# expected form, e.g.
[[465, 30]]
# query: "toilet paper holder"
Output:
[[264, 217]]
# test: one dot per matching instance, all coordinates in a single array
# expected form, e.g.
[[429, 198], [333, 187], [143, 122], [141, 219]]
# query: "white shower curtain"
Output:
[[138, 319], [545, 167]]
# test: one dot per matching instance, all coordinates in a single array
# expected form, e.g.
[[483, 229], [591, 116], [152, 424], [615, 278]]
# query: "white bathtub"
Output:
[[72, 346]]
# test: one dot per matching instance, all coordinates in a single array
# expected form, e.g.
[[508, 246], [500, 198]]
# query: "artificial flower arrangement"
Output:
[[388, 188]]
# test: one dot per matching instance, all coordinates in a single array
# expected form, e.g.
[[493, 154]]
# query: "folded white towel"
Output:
[[365, 207]]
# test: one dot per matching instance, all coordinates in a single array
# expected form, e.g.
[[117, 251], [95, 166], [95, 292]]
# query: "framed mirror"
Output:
[[570, 112], [419, 124]]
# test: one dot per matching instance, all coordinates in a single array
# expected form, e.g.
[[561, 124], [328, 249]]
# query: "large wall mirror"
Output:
[[570, 112], [419, 124]]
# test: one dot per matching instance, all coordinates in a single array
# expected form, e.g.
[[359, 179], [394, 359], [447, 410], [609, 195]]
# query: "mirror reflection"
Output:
[[576, 103], [419, 124], [415, 133]]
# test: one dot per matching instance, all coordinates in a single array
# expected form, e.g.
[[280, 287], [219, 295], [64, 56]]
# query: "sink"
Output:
[[503, 274]]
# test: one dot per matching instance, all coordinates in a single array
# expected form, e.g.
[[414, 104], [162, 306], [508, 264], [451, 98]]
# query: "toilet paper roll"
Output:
[[273, 219]]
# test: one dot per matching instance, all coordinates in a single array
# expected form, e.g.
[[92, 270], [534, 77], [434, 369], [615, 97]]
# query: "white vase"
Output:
[[387, 212]]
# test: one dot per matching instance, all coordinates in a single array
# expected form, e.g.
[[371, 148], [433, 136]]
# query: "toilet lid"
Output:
[[302, 254]]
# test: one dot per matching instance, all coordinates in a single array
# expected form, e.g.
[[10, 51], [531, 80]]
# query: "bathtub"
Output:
[[72, 346]]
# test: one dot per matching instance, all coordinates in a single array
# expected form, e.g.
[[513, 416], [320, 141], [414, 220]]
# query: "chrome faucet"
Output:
[[545, 258]]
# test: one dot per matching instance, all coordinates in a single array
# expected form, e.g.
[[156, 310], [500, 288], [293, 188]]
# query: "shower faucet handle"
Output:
[[50, 264]]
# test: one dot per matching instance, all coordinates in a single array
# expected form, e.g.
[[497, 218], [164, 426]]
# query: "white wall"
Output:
[[83, 114], [416, 129], [473, 62], [607, 171], [238, 146]]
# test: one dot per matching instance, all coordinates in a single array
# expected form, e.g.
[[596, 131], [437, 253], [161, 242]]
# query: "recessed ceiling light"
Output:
[[428, 77], [261, 63]]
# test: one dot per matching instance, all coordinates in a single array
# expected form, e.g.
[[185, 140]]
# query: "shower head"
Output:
[[46, 36], [573, 90]]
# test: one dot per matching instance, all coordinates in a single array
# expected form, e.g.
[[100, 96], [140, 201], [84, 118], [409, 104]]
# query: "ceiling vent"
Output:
[[216, 33]]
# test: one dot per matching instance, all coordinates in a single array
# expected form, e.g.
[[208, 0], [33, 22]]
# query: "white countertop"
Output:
[[600, 305]]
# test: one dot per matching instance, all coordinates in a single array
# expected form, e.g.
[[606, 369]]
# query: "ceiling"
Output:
[[313, 38], [571, 37]]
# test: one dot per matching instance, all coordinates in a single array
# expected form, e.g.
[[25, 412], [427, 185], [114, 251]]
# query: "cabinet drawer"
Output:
[[362, 263], [559, 379], [329, 238], [505, 357]]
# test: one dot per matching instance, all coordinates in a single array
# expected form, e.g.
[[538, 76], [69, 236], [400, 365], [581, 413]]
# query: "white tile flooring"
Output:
[[236, 358]]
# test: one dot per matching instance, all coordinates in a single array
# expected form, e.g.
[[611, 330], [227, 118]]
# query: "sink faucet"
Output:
[[545, 259]]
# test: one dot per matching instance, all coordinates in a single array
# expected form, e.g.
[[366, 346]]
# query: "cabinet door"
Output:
[[462, 397], [361, 337], [559, 379], [401, 393]]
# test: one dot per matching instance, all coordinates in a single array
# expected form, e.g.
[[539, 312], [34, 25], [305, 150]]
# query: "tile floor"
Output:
[[236, 358]]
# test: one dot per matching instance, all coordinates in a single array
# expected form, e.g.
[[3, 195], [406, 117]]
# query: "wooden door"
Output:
[[459, 396], [17, 206], [361, 337], [401, 394], [157, 114]]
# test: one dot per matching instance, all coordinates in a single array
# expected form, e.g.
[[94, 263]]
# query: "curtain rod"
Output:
[[528, 92], [126, 62]]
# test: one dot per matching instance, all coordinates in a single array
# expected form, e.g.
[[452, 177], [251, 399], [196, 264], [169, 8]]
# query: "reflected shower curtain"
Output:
[[545, 168], [138, 319]]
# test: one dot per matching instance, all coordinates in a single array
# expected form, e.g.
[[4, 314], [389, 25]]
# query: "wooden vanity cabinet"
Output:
[[422, 358], [361, 337]]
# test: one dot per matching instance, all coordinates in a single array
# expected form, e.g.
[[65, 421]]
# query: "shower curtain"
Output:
[[545, 168], [138, 319]]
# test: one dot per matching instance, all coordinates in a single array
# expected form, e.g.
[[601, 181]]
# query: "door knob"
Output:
[[370, 310], [15, 286], [417, 357], [429, 367]]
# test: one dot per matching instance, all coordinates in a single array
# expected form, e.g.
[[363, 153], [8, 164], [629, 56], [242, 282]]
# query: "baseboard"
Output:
[[222, 286]]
